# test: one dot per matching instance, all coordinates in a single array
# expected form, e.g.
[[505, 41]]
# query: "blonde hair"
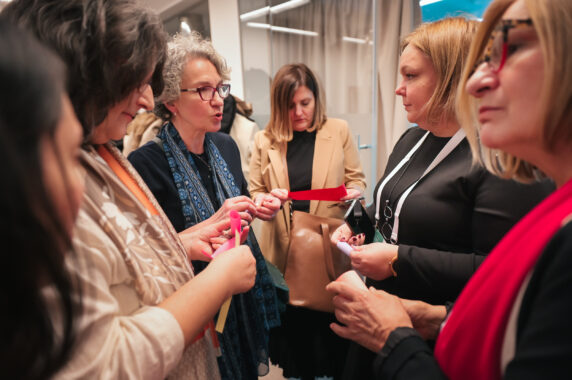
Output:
[[550, 20], [286, 81], [446, 43]]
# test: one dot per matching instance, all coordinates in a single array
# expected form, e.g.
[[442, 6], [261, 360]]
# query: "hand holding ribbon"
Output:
[[235, 229]]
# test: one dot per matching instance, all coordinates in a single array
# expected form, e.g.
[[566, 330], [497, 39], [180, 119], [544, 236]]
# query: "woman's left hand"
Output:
[[267, 205], [197, 239], [351, 194], [369, 315], [217, 241], [372, 260]]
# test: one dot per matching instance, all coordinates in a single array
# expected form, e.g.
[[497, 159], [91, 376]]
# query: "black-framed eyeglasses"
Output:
[[496, 51], [207, 92]]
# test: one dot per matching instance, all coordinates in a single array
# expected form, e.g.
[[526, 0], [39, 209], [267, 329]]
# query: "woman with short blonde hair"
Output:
[[512, 319], [439, 214]]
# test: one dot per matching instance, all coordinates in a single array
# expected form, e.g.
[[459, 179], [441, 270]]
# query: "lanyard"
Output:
[[445, 151]]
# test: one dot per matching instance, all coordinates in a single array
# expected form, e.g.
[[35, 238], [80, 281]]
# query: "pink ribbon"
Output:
[[235, 228], [330, 194]]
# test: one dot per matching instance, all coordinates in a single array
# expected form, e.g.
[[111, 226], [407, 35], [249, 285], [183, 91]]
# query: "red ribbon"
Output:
[[330, 194]]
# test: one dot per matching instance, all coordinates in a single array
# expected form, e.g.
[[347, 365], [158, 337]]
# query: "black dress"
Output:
[[304, 346], [448, 224]]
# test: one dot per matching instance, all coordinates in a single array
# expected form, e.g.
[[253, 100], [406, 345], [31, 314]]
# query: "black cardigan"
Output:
[[451, 220]]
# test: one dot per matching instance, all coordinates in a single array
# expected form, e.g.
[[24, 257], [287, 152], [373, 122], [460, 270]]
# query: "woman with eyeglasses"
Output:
[[512, 319], [196, 176], [145, 313], [438, 214]]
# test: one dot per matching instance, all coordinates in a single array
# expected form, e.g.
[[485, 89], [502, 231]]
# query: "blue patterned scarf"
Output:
[[244, 342]]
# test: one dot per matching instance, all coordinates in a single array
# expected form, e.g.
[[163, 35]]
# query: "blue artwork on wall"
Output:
[[437, 9]]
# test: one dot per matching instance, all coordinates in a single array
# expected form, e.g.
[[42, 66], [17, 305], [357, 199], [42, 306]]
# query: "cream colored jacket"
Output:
[[336, 161]]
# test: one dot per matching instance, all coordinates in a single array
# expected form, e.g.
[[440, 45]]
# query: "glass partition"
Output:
[[333, 37]]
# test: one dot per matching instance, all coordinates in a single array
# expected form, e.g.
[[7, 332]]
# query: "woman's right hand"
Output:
[[237, 268], [242, 204]]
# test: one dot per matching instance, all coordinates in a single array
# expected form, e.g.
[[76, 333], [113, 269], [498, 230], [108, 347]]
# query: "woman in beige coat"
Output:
[[301, 149]]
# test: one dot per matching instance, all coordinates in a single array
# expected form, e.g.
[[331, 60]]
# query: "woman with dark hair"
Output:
[[146, 315], [40, 196], [301, 149]]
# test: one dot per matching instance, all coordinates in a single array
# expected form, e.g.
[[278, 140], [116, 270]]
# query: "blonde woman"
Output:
[[512, 319], [438, 213]]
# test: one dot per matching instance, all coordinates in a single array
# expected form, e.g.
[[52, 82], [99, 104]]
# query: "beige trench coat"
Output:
[[336, 161]]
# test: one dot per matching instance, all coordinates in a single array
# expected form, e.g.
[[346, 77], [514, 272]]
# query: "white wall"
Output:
[[225, 35]]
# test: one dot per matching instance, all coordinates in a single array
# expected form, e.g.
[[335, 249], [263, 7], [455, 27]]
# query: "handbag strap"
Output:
[[328, 251]]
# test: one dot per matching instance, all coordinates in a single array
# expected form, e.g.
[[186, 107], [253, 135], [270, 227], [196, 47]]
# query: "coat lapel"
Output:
[[277, 162], [322, 158], [280, 172]]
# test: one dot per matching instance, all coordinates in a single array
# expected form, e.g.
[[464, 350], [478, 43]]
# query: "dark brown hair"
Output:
[[109, 46], [33, 237], [286, 81]]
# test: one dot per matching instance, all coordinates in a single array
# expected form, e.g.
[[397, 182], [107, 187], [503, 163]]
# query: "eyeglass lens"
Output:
[[497, 47], [207, 92], [497, 54]]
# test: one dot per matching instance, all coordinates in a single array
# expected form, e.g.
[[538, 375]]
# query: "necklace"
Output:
[[201, 159], [386, 228], [453, 142]]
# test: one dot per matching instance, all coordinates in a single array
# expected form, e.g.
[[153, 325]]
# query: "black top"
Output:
[[299, 159], [152, 165], [543, 336], [205, 172], [450, 221], [453, 217]]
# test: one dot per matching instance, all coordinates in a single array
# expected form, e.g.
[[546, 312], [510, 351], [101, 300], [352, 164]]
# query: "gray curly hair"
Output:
[[180, 50]]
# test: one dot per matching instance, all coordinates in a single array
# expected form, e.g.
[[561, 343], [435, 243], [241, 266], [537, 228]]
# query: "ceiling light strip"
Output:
[[422, 3], [281, 29], [274, 10]]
